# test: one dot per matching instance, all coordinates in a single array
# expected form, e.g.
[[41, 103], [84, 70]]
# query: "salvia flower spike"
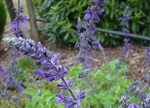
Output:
[[88, 42], [125, 50], [18, 20], [43, 58]]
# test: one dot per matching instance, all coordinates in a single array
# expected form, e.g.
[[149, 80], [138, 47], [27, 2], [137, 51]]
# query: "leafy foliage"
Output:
[[44, 99], [138, 24], [108, 85], [2, 18], [104, 87], [62, 16]]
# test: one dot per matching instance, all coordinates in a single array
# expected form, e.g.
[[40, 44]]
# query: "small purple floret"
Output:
[[132, 105]]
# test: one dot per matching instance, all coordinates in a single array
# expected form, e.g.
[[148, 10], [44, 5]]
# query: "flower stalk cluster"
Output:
[[88, 42], [127, 43], [18, 20], [50, 70], [138, 88], [8, 73], [125, 50], [9, 81]]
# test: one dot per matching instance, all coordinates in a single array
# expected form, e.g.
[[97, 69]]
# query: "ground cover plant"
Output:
[[57, 85]]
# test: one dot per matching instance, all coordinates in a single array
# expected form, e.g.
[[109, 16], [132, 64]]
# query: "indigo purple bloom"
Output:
[[125, 50], [50, 70], [137, 89], [127, 44], [18, 20], [132, 106], [126, 16], [88, 42]]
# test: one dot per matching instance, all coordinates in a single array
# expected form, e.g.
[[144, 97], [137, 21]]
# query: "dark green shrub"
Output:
[[63, 16], [2, 18], [138, 24]]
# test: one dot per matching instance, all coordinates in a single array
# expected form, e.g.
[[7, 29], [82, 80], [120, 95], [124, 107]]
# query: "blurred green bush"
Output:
[[103, 87], [2, 18], [138, 24], [63, 16]]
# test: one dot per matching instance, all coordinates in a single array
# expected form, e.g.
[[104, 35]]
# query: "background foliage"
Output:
[[62, 16], [2, 18]]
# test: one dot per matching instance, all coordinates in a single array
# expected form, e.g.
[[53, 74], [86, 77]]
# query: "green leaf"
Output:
[[66, 36], [30, 91], [35, 101]]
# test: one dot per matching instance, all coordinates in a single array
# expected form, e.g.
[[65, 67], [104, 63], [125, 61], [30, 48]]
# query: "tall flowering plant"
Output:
[[8, 80], [50, 69], [88, 42], [8, 73], [125, 50], [127, 44], [20, 19], [138, 88]]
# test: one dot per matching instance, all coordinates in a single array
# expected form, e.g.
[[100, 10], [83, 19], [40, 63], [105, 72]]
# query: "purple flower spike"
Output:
[[88, 42], [63, 86], [53, 71], [132, 105], [125, 50], [18, 20], [125, 16]]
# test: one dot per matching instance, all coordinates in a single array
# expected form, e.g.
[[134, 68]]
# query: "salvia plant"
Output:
[[125, 50], [51, 71], [18, 20], [8, 73], [138, 88], [9, 82], [88, 42]]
